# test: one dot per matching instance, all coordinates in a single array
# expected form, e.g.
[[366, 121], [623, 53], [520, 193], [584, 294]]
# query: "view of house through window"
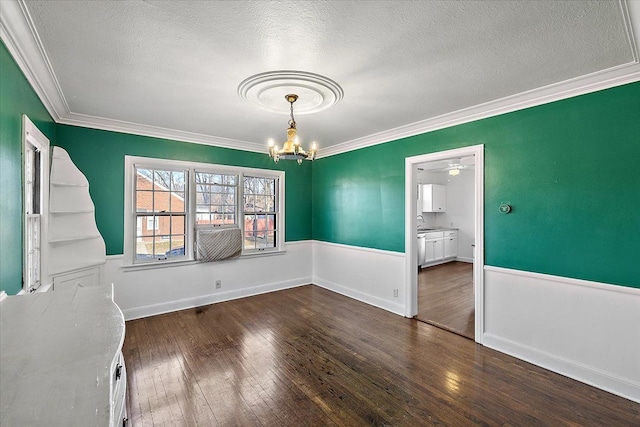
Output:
[[172, 198], [161, 212]]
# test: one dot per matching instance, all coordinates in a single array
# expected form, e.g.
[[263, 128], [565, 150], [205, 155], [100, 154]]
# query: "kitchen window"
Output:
[[171, 198]]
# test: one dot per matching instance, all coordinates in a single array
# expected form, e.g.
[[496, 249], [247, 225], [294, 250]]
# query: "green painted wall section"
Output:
[[569, 169], [100, 156], [16, 98]]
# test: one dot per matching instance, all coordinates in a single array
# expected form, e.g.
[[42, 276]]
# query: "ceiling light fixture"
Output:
[[291, 149], [454, 172]]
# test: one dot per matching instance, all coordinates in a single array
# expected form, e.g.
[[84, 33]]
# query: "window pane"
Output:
[[203, 218], [271, 239], [162, 180], [177, 181], [177, 225], [176, 202], [176, 249], [144, 179], [270, 203], [249, 240], [202, 198], [249, 203], [270, 222], [161, 201], [144, 201]]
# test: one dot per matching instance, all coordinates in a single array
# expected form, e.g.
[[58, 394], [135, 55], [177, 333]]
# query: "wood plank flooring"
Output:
[[309, 357], [445, 297]]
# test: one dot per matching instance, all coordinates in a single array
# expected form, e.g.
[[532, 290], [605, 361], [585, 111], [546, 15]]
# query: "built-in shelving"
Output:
[[74, 240]]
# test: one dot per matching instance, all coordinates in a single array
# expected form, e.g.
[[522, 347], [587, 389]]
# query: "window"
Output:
[[259, 209], [166, 200], [160, 202], [35, 197], [216, 201]]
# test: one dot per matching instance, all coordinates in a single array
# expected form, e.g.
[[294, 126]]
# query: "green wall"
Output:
[[570, 169], [100, 156], [16, 98]]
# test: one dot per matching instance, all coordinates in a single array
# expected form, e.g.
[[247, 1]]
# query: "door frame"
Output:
[[411, 224]]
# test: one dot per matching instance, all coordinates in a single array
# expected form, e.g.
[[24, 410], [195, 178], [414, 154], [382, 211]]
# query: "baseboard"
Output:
[[596, 378], [361, 296], [464, 259], [183, 304], [3, 295]]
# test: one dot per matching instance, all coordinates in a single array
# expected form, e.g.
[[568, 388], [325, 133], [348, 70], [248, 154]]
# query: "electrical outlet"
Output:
[[218, 284], [395, 292]]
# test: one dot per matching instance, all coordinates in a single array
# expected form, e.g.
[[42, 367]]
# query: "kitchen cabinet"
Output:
[[432, 198], [450, 244], [439, 247], [421, 247], [433, 247]]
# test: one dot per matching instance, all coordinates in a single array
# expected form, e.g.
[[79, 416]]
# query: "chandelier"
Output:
[[291, 149]]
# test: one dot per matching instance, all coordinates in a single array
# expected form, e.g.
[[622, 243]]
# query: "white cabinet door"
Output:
[[87, 277], [439, 198], [433, 198], [450, 247], [434, 250]]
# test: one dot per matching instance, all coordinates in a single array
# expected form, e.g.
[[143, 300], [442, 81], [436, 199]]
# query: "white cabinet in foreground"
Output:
[[60, 359]]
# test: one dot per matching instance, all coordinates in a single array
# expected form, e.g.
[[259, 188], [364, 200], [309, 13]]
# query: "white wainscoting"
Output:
[[147, 292], [585, 330], [368, 275]]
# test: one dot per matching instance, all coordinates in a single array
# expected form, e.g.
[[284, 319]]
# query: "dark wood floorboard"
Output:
[[310, 357], [445, 297]]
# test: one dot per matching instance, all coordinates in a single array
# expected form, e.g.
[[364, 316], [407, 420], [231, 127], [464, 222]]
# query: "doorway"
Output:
[[448, 290], [446, 230]]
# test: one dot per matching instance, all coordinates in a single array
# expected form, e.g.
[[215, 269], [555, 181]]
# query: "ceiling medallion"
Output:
[[316, 92]]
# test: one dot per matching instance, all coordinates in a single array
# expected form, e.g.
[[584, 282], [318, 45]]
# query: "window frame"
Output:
[[129, 243], [33, 137]]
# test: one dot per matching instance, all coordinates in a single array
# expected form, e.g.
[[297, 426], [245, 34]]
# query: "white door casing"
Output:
[[411, 255]]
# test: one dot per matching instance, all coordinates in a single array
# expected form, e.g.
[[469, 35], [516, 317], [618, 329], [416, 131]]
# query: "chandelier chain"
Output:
[[292, 122]]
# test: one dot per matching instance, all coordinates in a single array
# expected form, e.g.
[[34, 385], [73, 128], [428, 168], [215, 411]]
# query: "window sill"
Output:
[[181, 263]]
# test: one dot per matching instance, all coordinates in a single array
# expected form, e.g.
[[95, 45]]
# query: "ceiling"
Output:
[[172, 68]]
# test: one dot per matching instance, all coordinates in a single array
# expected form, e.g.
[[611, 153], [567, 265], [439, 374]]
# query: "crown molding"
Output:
[[94, 122], [604, 79], [21, 38]]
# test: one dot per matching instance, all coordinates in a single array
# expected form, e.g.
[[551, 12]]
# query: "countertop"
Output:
[[430, 229], [55, 357]]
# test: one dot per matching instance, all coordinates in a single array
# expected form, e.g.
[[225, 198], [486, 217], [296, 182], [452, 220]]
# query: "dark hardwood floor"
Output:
[[307, 356], [445, 297]]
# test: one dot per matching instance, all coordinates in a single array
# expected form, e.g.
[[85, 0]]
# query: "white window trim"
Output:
[[166, 164], [31, 135]]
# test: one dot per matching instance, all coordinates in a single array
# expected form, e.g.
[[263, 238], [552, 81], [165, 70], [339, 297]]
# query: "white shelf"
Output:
[[65, 239], [68, 184], [71, 212]]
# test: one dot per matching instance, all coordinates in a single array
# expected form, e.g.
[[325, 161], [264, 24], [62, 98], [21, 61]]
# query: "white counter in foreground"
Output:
[[60, 359]]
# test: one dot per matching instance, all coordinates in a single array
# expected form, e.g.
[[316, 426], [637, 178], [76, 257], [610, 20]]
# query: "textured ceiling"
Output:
[[178, 64]]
